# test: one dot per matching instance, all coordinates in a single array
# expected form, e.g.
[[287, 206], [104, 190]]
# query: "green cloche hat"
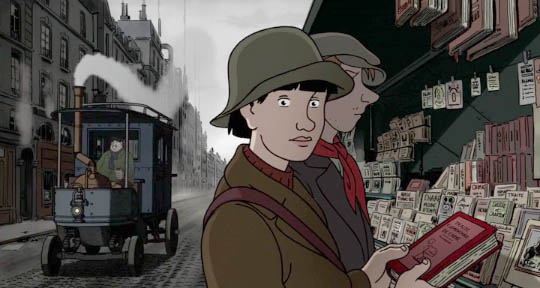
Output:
[[272, 58]]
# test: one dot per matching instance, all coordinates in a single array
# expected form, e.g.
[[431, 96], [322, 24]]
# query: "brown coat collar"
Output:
[[241, 173]]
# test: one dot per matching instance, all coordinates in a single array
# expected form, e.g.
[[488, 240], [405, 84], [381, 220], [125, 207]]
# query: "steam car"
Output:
[[93, 212]]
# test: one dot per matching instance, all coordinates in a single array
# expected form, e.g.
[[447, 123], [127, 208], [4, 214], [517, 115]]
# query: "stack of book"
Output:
[[381, 177], [506, 30], [405, 220], [508, 149], [477, 27], [454, 22], [398, 143], [499, 155], [429, 11], [405, 9]]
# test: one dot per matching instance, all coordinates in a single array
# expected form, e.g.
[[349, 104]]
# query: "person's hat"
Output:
[[272, 58], [350, 51]]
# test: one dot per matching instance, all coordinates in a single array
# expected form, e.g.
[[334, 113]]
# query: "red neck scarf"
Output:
[[352, 178]]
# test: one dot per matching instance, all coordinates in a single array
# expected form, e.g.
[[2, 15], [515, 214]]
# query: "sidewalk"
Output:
[[27, 229]]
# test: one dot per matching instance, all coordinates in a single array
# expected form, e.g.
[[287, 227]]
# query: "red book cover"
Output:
[[445, 244], [523, 134], [517, 138], [530, 134], [494, 139], [527, 12], [487, 138]]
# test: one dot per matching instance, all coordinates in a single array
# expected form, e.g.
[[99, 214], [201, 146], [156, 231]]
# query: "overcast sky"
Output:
[[213, 28]]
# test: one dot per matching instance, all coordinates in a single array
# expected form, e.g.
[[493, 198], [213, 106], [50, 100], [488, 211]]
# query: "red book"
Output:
[[487, 138], [517, 141], [494, 139], [486, 170], [500, 139], [522, 172], [480, 171], [523, 134], [449, 246], [505, 140], [530, 134], [511, 137], [499, 178], [512, 164]]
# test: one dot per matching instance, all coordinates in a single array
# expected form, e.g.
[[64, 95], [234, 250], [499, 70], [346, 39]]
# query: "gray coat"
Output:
[[349, 228]]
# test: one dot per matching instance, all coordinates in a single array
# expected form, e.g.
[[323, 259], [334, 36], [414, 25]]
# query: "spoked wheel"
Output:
[[135, 256], [171, 232], [92, 250], [51, 256]]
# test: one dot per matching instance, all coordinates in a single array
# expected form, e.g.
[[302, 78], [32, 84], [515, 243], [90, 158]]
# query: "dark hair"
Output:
[[237, 123]]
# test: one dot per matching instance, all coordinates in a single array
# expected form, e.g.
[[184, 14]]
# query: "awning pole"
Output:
[[126, 173], [59, 149]]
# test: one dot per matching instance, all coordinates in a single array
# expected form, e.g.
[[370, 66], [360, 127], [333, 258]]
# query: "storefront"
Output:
[[472, 119]]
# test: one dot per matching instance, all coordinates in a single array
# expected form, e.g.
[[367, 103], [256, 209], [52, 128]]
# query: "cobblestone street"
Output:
[[182, 270]]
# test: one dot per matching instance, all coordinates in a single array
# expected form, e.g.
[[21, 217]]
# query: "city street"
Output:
[[20, 264]]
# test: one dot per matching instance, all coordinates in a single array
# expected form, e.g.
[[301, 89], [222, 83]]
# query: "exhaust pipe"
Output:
[[78, 92]]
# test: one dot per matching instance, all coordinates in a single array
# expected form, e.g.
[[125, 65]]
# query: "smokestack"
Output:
[[142, 13], [78, 92]]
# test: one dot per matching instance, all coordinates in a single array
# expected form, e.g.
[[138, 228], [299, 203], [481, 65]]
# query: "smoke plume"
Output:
[[166, 99]]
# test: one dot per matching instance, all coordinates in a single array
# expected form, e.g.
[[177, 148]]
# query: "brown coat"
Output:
[[245, 245]]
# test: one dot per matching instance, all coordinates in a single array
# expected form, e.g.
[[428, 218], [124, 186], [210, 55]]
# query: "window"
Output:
[[46, 40], [65, 137], [63, 100], [12, 125], [83, 24], [64, 10], [100, 141], [16, 73], [45, 88], [107, 45], [15, 21], [64, 60], [45, 132]]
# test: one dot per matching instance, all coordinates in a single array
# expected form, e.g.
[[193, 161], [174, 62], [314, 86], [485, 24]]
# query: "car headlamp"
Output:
[[76, 211]]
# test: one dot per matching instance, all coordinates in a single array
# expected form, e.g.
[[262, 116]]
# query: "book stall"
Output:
[[450, 153]]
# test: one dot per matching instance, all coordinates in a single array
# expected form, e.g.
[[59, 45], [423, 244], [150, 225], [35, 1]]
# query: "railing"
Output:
[[145, 109]]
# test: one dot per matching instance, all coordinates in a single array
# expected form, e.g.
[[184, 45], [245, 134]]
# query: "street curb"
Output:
[[28, 236]]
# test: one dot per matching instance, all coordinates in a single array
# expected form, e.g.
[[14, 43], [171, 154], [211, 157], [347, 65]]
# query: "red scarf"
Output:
[[352, 178]]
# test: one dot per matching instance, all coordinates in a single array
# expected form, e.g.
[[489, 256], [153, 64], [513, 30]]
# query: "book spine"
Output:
[[523, 134], [530, 134], [505, 142], [513, 166], [500, 141], [517, 138], [511, 137], [487, 138]]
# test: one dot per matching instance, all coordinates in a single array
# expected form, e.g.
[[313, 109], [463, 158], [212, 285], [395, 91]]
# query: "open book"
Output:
[[453, 247]]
